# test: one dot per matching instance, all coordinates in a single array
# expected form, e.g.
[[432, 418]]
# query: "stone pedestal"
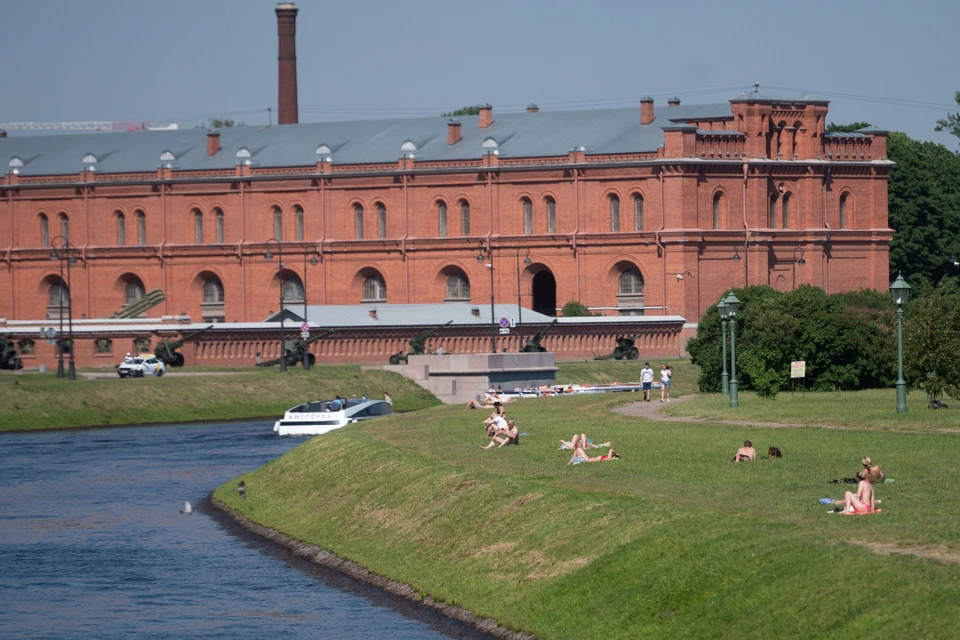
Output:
[[461, 377]]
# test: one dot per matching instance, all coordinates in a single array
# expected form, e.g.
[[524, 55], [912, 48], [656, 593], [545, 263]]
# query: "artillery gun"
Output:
[[533, 344], [134, 309], [295, 349], [418, 345], [166, 351], [8, 355], [625, 350]]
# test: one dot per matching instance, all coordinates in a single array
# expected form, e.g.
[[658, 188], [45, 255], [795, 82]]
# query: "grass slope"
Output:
[[873, 408], [41, 401], [671, 541]]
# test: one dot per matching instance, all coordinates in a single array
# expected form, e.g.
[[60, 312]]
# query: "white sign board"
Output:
[[513, 322], [798, 369], [305, 335], [504, 331]]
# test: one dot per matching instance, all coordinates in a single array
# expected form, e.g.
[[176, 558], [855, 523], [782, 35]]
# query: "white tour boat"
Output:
[[321, 416]]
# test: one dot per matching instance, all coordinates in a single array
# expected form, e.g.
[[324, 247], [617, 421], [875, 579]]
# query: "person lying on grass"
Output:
[[581, 440], [746, 453], [509, 436], [579, 455], [863, 501]]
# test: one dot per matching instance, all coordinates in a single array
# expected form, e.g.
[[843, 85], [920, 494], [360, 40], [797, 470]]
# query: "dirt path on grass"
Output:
[[653, 410]]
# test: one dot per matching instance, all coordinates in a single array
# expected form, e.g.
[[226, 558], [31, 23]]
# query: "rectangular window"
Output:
[[219, 220], [442, 214], [772, 214], [358, 221], [638, 213], [381, 221], [614, 214], [527, 217], [121, 231], [141, 229], [464, 219], [198, 228], [551, 216]]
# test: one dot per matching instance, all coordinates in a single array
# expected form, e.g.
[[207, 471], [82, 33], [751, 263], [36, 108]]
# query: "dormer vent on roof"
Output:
[[408, 149], [243, 156], [324, 152], [89, 162], [15, 164], [167, 159], [490, 147]]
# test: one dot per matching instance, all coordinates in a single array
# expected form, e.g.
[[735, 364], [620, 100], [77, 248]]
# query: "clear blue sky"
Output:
[[184, 60]]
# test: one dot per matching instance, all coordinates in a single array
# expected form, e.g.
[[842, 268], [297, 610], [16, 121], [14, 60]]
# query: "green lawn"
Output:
[[41, 401], [671, 541], [875, 409]]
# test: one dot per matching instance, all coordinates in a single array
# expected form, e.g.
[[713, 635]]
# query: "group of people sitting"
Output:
[[500, 430], [863, 501]]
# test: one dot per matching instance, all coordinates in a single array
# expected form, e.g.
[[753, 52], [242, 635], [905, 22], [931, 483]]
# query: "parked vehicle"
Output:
[[141, 366], [321, 416]]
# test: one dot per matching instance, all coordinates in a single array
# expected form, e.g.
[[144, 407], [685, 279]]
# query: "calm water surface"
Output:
[[92, 545]]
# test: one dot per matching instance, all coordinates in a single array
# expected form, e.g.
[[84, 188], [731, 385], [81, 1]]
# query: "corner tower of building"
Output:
[[287, 59]]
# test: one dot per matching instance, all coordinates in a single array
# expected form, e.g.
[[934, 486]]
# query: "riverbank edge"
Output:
[[322, 557], [131, 425]]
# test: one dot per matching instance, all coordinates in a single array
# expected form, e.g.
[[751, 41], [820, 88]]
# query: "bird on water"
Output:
[[187, 508]]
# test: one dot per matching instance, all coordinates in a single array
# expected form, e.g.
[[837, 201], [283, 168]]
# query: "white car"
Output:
[[139, 367]]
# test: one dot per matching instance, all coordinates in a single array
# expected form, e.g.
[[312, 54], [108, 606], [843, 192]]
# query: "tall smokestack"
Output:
[[287, 75]]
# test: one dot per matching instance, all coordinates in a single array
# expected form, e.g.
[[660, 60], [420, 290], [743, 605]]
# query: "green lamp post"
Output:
[[901, 292], [724, 377], [732, 305]]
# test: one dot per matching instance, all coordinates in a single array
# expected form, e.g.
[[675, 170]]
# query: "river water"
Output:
[[93, 545]]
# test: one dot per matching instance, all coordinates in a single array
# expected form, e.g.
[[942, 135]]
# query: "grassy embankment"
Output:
[[671, 541], [41, 401]]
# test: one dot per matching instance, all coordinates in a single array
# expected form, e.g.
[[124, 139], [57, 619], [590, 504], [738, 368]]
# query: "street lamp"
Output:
[[526, 261], [269, 256], [901, 292], [63, 254], [796, 262], [733, 305], [724, 377], [313, 253], [485, 252], [736, 258]]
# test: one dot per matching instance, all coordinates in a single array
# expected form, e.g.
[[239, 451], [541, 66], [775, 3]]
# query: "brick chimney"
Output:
[[532, 108], [646, 110], [453, 132], [486, 116], [213, 142], [287, 57], [674, 102], [373, 314]]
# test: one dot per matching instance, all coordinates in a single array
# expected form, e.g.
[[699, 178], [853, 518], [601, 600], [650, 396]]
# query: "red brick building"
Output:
[[656, 209]]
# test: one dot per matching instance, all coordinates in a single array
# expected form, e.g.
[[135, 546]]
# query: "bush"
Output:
[[575, 308]]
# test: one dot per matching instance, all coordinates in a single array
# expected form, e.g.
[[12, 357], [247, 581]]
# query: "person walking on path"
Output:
[[646, 379], [665, 375]]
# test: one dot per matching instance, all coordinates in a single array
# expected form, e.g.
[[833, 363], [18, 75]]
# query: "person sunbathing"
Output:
[[746, 453], [490, 401], [494, 424], [863, 501], [511, 435], [579, 455], [874, 474], [581, 440]]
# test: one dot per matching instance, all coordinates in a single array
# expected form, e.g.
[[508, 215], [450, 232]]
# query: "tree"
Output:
[[932, 340], [848, 128], [575, 308], [463, 111], [951, 123], [218, 123]]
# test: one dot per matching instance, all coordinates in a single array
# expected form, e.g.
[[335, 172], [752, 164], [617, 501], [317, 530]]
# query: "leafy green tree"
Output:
[[463, 111], [951, 123], [575, 308], [848, 128], [932, 340]]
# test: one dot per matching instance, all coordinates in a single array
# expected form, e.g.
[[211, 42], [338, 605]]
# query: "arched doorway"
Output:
[[545, 293]]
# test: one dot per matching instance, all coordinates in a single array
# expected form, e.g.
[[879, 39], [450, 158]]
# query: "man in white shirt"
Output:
[[646, 378]]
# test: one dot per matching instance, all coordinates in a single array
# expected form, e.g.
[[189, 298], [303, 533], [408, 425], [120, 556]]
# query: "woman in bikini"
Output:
[[579, 455], [874, 474], [861, 503], [581, 440]]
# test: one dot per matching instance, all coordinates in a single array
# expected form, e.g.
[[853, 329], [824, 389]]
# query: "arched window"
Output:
[[458, 287], [65, 226], [298, 222], [292, 288], [218, 221], [212, 308], [44, 230], [551, 215], [374, 289], [277, 223], [843, 209], [464, 218], [717, 198], [772, 213], [133, 292], [58, 300], [614, 213], [442, 218], [358, 220], [197, 227], [630, 292], [527, 216], [381, 220], [638, 212], [141, 228], [785, 207], [121, 229]]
